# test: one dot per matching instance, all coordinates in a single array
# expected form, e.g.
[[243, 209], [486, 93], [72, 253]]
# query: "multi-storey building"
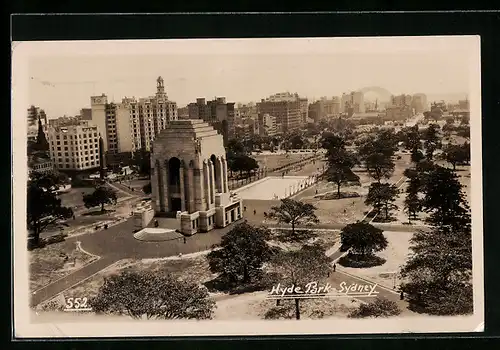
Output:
[[74, 147], [267, 125], [324, 108], [352, 102], [419, 103], [134, 123], [287, 108], [40, 164], [218, 113]]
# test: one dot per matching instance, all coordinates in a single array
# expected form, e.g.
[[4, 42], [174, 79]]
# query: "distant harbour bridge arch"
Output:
[[383, 93]]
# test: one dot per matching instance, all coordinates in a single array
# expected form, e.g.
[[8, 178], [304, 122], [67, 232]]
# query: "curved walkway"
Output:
[[118, 242]]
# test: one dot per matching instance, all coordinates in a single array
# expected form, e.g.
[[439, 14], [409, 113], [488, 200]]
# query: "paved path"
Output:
[[338, 277], [382, 226], [118, 242]]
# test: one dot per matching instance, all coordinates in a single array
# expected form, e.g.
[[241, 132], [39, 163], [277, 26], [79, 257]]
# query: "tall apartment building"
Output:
[[74, 147], [218, 113], [287, 108], [401, 100], [304, 109], [134, 123], [419, 103], [267, 125], [353, 102], [324, 108]]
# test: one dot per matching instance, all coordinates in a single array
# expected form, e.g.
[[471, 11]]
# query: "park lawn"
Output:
[[271, 161], [253, 306], [74, 198], [47, 265], [325, 238], [396, 254], [185, 268]]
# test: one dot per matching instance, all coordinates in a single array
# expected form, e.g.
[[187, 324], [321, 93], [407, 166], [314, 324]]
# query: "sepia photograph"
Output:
[[247, 186]]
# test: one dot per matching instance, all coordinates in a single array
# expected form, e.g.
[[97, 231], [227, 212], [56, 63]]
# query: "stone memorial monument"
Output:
[[189, 175]]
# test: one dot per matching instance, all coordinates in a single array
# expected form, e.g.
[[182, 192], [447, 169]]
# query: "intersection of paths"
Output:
[[118, 242]]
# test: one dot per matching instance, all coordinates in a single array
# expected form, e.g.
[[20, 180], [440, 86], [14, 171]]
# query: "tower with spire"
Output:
[[160, 89], [42, 144]]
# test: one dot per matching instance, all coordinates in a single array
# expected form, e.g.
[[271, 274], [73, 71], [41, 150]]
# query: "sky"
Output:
[[63, 75]]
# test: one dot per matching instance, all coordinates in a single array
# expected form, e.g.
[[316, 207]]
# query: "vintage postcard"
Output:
[[247, 187]]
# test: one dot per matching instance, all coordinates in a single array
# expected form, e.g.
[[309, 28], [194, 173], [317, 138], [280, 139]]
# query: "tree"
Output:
[[464, 131], [412, 202], [379, 166], [416, 155], [380, 307], [235, 146], [241, 254], [363, 238], [43, 205], [464, 120], [456, 154], [381, 195], [444, 198], [296, 141], [438, 273], [340, 166], [378, 142], [300, 267], [294, 213], [101, 196], [411, 137], [242, 163], [331, 142], [156, 295], [431, 140]]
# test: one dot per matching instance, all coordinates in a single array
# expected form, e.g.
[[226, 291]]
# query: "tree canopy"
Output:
[[294, 213], [156, 295], [381, 196], [101, 196], [363, 238], [456, 154], [241, 254], [300, 267], [44, 208]]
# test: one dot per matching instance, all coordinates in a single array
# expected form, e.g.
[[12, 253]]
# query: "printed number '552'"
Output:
[[76, 303]]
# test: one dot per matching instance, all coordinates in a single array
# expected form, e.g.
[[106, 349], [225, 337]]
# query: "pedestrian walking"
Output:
[[184, 240], [334, 267], [401, 296], [254, 212], [244, 208], [156, 223]]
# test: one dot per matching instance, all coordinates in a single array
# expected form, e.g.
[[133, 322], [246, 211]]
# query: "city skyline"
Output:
[[61, 80]]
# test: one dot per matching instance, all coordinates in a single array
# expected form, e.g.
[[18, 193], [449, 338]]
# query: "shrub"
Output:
[[358, 261], [380, 307]]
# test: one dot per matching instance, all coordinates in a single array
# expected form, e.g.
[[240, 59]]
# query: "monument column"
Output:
[[220, 171], [212, 181], [226, 185], [155, 186], [181, 185], [190, 191], [206, 177]]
